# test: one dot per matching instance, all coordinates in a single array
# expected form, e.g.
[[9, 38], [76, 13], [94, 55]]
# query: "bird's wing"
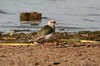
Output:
[[46, 30], [43, 32]]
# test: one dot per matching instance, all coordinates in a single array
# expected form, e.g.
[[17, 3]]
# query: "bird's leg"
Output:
[[45, 45]]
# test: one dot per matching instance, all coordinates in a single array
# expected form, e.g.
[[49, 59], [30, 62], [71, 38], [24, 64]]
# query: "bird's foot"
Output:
[[46, 46]]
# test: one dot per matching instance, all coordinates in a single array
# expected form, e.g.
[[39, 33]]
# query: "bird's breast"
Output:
[[48, 36]]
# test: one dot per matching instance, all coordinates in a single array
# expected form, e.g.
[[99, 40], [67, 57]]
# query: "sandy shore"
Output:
[[70, 54], [67, 49]]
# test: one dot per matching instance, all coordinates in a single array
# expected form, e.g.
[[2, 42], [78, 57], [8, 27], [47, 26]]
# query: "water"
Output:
[[71, 15]]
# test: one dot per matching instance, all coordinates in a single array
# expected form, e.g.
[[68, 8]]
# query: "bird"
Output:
[[46, 32]]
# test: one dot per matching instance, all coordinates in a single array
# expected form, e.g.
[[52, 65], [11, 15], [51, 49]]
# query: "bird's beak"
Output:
[[56, 23]]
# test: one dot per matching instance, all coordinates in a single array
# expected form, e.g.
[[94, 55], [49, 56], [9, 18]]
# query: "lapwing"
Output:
[[46, 32]]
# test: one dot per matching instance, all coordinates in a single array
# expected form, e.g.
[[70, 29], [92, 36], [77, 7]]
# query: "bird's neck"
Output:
[[53, 26]]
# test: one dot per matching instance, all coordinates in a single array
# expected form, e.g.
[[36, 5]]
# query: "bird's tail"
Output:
[[33, 41]]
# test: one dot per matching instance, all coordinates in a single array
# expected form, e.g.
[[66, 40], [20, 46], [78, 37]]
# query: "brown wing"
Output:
[[46, 30]]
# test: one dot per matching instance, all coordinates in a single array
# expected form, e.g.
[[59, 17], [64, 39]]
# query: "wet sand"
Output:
[[70, 54]]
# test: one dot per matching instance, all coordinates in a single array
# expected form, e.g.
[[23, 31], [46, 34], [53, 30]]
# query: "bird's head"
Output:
[[51, 22]]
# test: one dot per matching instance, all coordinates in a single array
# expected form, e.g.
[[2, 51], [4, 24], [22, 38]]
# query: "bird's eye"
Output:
[[53, 22]]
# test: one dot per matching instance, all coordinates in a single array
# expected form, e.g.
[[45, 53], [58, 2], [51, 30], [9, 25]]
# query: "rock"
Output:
[[34, 16], [61, 29], [24, 16], [30, 16], [56, 63]]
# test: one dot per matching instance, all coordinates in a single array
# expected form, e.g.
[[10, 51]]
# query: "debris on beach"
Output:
[[64, 37]]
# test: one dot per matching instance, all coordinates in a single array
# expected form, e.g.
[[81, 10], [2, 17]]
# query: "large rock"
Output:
[[34, 16], [31, 16], [24, 16]]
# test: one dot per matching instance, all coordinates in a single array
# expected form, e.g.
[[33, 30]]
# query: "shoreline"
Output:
[[14, 37], [66, 51]]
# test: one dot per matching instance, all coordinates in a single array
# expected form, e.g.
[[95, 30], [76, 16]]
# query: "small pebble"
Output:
[[36, 63], [56, 63]]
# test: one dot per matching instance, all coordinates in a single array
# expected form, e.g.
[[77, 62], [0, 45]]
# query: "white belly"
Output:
[[48, 36]]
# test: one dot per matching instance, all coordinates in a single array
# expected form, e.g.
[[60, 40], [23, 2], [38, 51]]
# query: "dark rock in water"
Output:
[[61, 29], [3, 12], [24, 16], [31, 16], [45, 18], [35, 24], [34, 16], [88, 20], [21, 30]]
